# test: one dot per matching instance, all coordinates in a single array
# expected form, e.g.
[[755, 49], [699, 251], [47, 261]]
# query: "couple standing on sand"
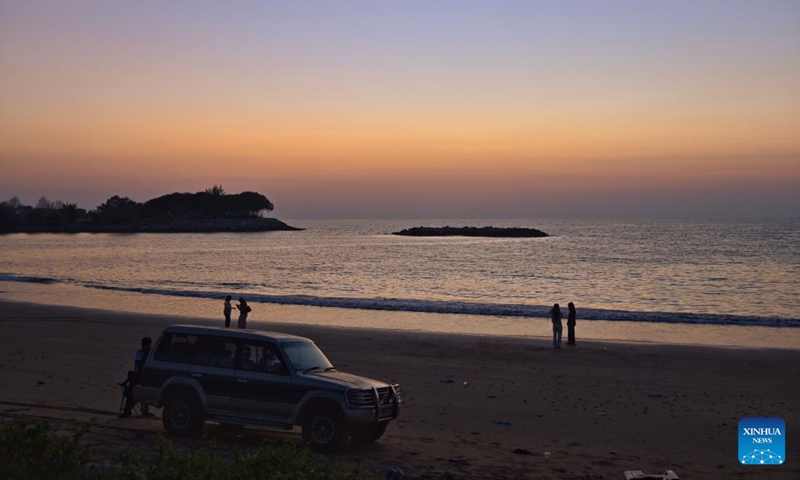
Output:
[[555, 317], [243, 308]]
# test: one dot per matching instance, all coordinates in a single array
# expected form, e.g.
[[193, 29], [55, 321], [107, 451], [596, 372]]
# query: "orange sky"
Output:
[[102, 99]]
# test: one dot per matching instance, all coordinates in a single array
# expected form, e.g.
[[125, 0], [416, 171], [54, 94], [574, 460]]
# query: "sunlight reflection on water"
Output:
[[746, 268]]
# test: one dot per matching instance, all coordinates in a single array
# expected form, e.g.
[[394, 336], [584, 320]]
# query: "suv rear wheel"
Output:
[[368, 433], [182, 416], [324, 429]]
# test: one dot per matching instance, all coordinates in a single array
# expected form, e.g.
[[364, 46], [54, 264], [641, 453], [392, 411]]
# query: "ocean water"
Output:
[[669, 272]]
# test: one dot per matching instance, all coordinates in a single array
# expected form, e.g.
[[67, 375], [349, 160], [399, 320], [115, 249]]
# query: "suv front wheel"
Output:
[[182, 416], [324, 429]]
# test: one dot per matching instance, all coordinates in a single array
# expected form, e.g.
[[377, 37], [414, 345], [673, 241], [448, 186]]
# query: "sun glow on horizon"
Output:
[[485, 97]]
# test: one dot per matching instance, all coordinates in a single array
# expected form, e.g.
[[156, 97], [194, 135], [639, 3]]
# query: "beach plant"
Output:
[[33, 450], [280, 461]]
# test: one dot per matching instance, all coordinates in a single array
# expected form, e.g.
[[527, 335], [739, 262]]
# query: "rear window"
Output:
[[176, 347], [196, 349]]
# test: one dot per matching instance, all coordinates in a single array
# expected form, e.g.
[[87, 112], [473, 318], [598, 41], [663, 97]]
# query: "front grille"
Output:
[[366, 398], [384, 396], [360, 398]]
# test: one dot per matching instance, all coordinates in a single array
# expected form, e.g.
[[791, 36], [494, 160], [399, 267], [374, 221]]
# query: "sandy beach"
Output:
[[476, 407]]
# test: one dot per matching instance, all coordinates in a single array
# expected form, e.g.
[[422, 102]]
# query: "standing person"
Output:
[[571, 324], [244, 309], [227, 311], [555, 317]]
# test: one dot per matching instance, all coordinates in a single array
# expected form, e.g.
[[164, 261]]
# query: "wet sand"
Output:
[[476, 407]]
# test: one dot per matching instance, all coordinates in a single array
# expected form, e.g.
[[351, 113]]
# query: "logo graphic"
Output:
[[762, 441]]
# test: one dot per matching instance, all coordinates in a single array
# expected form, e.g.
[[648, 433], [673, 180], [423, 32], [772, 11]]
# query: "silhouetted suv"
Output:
[[249, 377]]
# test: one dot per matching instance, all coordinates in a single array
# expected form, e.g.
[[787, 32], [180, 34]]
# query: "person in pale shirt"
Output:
[[134, 377]]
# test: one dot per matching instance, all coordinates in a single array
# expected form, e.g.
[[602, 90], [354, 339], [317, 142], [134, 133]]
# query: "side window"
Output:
[[215, 352], [176, 347], [260, 357]]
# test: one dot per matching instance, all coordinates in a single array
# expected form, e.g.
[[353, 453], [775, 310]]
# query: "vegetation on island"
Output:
[[211, 210], [514, 232], [35, 451]]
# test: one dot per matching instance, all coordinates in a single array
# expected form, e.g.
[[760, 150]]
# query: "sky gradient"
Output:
[[408, 109]]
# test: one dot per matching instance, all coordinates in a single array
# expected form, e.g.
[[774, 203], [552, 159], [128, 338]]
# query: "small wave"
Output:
[[476, 308], [449, 307], [7, 277]]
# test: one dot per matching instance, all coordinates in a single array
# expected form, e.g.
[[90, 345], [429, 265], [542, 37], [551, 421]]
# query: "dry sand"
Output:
[[598, 408]]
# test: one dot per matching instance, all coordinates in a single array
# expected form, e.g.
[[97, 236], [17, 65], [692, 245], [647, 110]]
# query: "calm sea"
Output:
[[670, 272]]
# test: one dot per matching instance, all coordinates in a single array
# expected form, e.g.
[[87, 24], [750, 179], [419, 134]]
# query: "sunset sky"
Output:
[[408, 109]]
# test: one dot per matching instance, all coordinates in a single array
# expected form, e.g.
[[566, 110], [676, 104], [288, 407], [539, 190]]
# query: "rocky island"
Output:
[[209, 211], [512, 232]]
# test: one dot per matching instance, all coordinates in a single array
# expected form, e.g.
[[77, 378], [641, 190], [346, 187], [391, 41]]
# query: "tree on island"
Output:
[[209, 210], [211, 203], [215, 190], [46, 213], [117, 210]]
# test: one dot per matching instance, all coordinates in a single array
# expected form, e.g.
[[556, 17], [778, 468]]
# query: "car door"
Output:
[[213, 369], [263, 382]]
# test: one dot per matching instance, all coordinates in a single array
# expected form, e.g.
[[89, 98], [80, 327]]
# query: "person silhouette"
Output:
[[247, 363], [571, 324], [555, 317], [244, 309], [139, 359], [227, 311]]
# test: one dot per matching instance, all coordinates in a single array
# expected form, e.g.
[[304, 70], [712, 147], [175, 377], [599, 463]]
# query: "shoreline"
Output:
[[405, 321], [66, 312], [598, 409]]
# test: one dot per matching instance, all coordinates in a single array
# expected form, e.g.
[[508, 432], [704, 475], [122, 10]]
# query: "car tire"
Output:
[[368, 434], [183, 416], [324, 429]]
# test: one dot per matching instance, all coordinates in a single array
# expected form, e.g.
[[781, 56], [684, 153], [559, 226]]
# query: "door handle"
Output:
[[241, 380], [197, 375]]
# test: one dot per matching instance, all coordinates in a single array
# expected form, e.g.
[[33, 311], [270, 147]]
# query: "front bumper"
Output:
[[383, 405]]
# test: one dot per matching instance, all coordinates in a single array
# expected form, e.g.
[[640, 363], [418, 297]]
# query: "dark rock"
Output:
[[513, 232], [178, 225]]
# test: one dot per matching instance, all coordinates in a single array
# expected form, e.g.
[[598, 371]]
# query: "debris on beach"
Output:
[[502, 422], [447, 379], [395, 473], [521, 451], [640, 475]]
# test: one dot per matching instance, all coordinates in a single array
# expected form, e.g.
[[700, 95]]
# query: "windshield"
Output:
[[305, 355]]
